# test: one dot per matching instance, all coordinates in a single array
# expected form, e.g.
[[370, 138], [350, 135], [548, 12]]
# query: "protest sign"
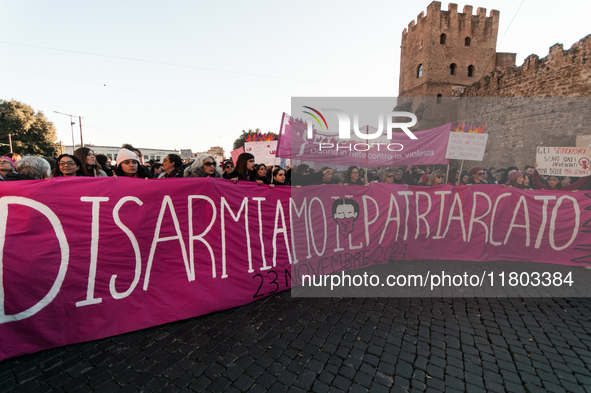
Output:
[[264, 152], [563, 161], [466, 146], [235, 153], [117, 255], [583, 140]]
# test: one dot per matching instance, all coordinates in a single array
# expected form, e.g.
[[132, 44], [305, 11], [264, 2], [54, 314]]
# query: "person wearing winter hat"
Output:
[[6, 167], [227, 167], [128, 165], [477, 176], [516, 179]]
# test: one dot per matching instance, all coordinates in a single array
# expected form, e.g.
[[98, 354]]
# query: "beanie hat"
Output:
[[514, 175], [476, 169], [125, 154], [9, 159]]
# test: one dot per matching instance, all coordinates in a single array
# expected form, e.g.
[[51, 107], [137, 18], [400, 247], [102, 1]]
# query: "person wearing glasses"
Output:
[[477, 176], [436, 178], [454, 177], [203, 166], [227, 167], [67, 165], [6, 167], [352, 177], [388, 177], [128, 165]]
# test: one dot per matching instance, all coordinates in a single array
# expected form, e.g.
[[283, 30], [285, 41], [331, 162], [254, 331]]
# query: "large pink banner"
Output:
[[428, 149], [82, 259]]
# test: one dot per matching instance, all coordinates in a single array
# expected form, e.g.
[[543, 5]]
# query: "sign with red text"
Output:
[[563, 161], [466, 146], [264, 152]]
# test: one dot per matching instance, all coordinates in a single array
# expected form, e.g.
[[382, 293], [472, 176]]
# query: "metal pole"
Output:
[[80, 122], [72, 126], [10, 142]]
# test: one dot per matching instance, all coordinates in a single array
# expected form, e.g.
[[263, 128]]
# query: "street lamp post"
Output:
[[72, 127]]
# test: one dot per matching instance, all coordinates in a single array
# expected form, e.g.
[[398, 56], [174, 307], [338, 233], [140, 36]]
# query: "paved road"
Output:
[[342, 344]]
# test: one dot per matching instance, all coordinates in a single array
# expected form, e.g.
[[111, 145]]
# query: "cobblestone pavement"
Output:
[[283, 344]]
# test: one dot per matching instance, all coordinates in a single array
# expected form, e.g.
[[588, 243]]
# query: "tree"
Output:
[[253, 136], [31, 132]]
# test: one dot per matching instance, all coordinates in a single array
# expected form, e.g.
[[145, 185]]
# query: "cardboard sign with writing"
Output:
[[236, 153], [466, 146], [263, 152], [583, 140], [564, 161]]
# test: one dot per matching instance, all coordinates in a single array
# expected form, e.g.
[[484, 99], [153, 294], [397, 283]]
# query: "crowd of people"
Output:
[[84, 162]]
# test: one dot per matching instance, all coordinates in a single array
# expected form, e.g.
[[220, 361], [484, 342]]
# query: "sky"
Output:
[[194, 74]]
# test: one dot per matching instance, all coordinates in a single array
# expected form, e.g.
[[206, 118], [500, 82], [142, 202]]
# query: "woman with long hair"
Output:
[[261, 171], [244, 169], [128, 165], [67, 165], [436, 178], [89, 165], [203, 166], [105, 164], [352, 177]]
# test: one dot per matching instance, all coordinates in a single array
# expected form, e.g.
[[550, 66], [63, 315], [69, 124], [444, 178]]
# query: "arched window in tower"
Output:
[[470, 70], [420, 71], [442, 39], [439, 98], [452, 69], [467, 41]]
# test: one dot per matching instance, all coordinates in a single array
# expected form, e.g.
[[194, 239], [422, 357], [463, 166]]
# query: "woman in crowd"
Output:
[[203, 166], [227, 167], [436, 178], [105, 164], [6, 167], [516, 179], [464, 178], [477, 176], [157, 169], [299, 176], [261, 171], [279, 177], [388, 177], [67, 165], [89, 164], [33, 168], [244, 169], [454, 177], [128, 165], [172, 166], [352, 177]]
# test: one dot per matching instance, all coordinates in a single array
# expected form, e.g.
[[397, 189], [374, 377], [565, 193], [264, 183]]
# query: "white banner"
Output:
[[466, 146], [264, 153], [563, 161]]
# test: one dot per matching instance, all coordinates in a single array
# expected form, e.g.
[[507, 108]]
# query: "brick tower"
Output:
[[446, 51]]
